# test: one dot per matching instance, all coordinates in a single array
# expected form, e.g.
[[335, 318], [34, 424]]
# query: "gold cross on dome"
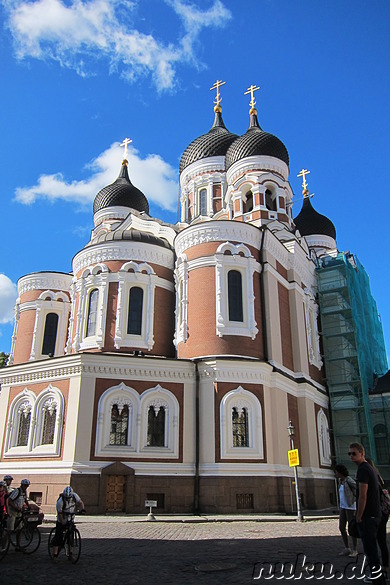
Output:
[[125, 143], [303, 174], [216, 86], [251, 90]]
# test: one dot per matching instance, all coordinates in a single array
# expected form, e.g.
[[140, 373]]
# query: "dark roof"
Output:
[[214, 143], [119, 234], [256, 142], [310, 222], [121, 193], [382, 385]]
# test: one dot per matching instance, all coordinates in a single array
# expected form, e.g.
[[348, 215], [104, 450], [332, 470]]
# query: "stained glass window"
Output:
[[156, 427], [119, 425], [240, 427]]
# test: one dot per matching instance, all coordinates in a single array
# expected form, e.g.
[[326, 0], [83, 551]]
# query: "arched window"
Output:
[[240, 427], [270, 200], [324, 438], [235, 296], [248, 206], [24, 424], [119, 425], [49, 422], [50, 334], [134, 323], [92, 312], [203, 202], [156, 427]]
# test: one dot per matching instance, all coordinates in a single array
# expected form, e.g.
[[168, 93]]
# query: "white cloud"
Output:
[[156, 178], [79, 32], [8, 296]]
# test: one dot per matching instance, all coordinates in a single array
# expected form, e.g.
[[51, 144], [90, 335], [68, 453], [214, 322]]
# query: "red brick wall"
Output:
[[285, 327]]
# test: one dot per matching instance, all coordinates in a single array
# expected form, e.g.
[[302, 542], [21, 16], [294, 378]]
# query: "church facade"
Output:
[[169, 363]]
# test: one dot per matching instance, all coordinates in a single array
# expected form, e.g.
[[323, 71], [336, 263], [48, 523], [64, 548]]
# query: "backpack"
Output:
[[352, 485], [384, 499]]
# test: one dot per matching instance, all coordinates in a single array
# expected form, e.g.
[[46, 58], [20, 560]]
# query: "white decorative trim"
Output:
[[312, 335], [44, 281], [256, 164], [122, 251], [324, 439], [181, 311], [211, 164], [93, 277], [217, 231], [58, 304], [241, 398]]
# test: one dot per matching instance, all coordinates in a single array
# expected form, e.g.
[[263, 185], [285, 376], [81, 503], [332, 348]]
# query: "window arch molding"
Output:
[[50, 398], [241, 399], [324, 439], [48, 302], [92, 277], [141, 275], [312, 335], [158, 397], [181, 312], [120, 395], [235, 257]]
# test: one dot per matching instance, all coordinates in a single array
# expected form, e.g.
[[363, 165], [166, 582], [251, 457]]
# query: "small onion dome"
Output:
[[214, 143], [255, 142], [121, 193], [309, 222]]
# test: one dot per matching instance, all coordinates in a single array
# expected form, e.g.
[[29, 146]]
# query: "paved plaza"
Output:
[[128, 552]]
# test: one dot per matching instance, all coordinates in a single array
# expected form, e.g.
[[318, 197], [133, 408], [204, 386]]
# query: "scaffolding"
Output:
[[353, 348]]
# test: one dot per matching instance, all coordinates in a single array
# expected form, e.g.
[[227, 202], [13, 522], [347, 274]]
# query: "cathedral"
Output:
[[169, 363]]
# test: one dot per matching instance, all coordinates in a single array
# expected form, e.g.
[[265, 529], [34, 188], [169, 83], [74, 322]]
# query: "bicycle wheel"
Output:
[[4, 543], [49, 545], [24, 537], [73, 551], [35, 541]]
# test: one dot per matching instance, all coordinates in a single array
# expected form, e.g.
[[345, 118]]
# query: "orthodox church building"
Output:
[[168, 364]]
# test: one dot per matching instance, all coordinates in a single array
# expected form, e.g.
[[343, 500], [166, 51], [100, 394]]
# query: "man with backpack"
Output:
[[16, 501], [67, 504]]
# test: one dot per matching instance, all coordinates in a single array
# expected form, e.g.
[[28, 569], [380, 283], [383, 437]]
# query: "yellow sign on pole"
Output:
[[293, 457]]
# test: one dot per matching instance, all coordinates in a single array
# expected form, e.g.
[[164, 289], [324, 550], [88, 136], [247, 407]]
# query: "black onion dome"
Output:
[[256, 142], [121, 193], [214, 143], [309, 222]]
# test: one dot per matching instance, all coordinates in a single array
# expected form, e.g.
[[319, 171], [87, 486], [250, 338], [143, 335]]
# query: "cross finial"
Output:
[[218, 98], [125, 143], [303, 174], [251, 90]]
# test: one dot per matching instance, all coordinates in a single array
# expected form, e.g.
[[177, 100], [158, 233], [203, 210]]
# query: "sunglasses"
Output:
[[352, 453]]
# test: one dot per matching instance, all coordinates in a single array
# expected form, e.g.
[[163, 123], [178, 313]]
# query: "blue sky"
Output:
[[77, 77]]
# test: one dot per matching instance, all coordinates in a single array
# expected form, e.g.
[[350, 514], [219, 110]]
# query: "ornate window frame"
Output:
[[138, 423], [181, 311], [324, 439], [241, 260], [37, 404], [96, 277], [241, 398], [49, 302], [312, 335], [143, 276]]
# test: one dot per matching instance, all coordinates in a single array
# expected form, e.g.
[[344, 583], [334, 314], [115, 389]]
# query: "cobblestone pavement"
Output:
[[159, 553]]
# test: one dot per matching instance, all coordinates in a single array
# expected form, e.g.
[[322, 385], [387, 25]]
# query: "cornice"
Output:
[[257, 164], [217, 231], [44, 281], [120, 251], [211, 164]]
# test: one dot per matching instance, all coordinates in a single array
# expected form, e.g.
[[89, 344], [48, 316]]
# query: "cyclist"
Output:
[[3, 497], [66, 507], [8, 480], [16, 501]]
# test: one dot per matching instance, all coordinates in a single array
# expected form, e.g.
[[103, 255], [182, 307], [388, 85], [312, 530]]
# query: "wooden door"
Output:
[[115, 495]]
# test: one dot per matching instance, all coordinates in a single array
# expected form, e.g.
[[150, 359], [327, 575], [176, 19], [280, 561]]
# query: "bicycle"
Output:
[[71, 542], [4, 541], [27, 537]]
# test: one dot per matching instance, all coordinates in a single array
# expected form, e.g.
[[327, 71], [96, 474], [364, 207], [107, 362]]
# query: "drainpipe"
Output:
[[262, 296]]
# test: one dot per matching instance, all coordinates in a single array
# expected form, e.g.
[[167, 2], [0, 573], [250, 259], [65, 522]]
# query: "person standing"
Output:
[[381, 535], [8, 480], [368, 512], [16, 501], [347, 497]]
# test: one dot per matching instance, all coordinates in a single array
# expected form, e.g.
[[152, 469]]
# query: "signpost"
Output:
[[293, 461], [150, 504]]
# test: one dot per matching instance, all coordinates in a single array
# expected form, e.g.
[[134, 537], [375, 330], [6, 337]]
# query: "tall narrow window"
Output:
[[248, 202], [270, 200], [92, 312], [50, 334], [134, 323], [24, 427], [240, 427], [119, 425], [49, 425], [235, 296], [203, 202], [156, 427]]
